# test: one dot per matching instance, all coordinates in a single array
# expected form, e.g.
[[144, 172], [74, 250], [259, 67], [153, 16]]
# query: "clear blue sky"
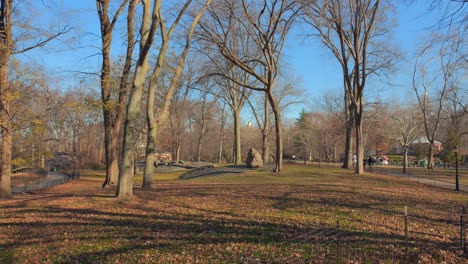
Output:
[[308, 59]]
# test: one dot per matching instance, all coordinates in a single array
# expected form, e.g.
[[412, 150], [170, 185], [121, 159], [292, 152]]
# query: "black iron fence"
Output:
[[31, 180]]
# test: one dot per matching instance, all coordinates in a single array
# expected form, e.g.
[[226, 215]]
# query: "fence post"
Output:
[[406, 233], [462, 232], [338, 245]]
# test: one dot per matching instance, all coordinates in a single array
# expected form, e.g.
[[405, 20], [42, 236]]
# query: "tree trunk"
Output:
[[113, 115], [221, 137], [359, 141], [200, 141], [430, 158], [265, 133], [5, 128], [149, 156], [125, 182], [279, 133], [111, 152], [177, 149], [349, 122], [6, 135], [237, 138]]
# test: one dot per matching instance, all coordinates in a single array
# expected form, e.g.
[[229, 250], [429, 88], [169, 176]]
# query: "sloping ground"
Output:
[[210, 171], [303, 215]]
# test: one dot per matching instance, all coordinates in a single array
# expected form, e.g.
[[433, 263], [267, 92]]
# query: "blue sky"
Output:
[[308, 60]]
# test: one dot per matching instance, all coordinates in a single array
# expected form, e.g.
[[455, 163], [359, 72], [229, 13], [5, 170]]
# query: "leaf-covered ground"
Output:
[[303, 215]]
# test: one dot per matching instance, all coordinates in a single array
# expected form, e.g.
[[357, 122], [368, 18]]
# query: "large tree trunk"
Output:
[[127, 170], [279, 133], [359, 140], [148, 28], [113, 115], [6, 135], [149, 156], [5, 97]]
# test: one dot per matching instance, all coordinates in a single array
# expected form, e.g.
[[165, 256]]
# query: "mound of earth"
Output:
[[210, 170]]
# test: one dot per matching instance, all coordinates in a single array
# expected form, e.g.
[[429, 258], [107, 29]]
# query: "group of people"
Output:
[[369, 162]]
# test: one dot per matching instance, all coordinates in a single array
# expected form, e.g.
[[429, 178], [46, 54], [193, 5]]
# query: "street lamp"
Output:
[[457, 186], [404, 158], [35, 150]]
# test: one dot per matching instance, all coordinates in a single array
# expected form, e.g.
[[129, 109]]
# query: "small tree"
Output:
[[432, 84]]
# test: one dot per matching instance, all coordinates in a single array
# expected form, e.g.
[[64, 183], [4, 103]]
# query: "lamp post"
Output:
[[35, 155], [404, 158], [457, 186]]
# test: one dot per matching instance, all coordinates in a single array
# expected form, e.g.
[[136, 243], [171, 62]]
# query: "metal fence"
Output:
[[35, 180]]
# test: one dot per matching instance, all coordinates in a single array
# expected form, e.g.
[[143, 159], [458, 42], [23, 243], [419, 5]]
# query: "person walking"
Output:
[[369, 163]]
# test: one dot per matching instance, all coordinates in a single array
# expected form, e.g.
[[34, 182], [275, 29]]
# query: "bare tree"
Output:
[[202, 115], [152, 20], [350, 30], [179, 112], [114, 108], [231, 92], [266, 24], [435, 71], [162, 115], [8, 47], [405, 127], [149, 24]]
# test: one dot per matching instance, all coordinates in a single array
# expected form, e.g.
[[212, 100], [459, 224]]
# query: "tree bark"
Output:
[[430, 156], [6, 133], [265, 133], [237, 138], [113, 114], [148, 28], [163, 114], [279, 133], [221, 137], [359, 145], [349, 125], [5, 97]]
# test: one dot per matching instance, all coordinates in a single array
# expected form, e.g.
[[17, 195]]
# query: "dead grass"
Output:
[[254, 217]]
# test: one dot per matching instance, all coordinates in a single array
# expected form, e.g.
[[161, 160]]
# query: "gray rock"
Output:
[[254, 159]]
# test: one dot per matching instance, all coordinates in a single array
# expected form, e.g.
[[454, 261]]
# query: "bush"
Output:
[[20, 162]]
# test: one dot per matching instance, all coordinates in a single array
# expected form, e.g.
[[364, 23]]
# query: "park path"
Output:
[[52, 179], [441, 184]]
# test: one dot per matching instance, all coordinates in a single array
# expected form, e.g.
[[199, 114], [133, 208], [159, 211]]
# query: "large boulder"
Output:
[[254, 159]]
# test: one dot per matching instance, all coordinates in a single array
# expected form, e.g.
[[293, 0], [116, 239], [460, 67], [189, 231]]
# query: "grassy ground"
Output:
[[305, 214]]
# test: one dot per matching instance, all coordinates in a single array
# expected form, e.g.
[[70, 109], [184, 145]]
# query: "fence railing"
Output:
[[35, 180]]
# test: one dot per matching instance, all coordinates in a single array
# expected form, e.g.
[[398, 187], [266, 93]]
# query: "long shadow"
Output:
[[188, 225], [171, 230]]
